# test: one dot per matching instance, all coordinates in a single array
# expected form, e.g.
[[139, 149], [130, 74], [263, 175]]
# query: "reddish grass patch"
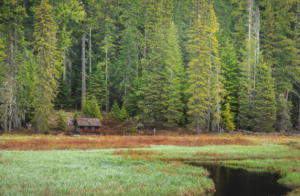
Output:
[[64, 143]]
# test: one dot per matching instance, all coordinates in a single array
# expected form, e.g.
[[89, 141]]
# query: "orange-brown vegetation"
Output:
[[100, 142]]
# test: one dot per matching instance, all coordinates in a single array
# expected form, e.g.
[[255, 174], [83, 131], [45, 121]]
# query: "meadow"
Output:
[[116, 165]]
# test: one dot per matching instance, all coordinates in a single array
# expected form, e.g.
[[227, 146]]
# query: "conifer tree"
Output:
[[198, 69], [265, 104], [123, 114], [94, 110], [215, 79], [48, 70], [61, 121], [227, 118], [63, 98], [154, 72], [115, 110], [97, 84], [128, 65], [174, 67], [230, 73], [134, 98]]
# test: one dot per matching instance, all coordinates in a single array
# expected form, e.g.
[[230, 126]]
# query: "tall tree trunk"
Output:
[[83, 91]]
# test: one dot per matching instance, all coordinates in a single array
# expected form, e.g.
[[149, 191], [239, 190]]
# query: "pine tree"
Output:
[[115, 110], [265, 104], [174, 67], [63, 98], [123, 114], [61, 121], [94, 110], [198, 68], [97, 85], [47, 73], [154, 74], [128, 61], [134, 98], [230, 73], [227, 118], [215, 79]]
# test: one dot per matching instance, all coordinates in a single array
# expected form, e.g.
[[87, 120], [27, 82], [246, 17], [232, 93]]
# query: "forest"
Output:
[[202, 64]]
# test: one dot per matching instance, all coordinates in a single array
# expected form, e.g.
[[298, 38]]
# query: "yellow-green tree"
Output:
[[199, 66], [47, 71], [227, 118], [215, 79]]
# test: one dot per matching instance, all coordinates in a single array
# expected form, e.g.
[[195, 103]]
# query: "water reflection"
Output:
[[240, 182]]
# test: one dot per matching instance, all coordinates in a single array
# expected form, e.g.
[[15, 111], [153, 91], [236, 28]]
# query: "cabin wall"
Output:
[[89, 130]]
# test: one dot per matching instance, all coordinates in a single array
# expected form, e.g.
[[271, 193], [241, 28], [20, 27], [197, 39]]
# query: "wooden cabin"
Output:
[[87, 126]]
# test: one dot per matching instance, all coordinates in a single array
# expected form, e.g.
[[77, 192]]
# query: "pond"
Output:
[[236, 181]]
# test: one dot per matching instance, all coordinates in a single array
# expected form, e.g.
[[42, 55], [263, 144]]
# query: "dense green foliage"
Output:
[[91, 108], [171, 62], [61, 121], [115, 110], [227, 120]]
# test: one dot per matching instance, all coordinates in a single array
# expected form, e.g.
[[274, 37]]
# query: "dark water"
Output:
[[240, 182]]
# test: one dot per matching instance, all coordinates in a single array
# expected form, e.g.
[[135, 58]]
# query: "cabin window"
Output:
[[93, 128], [85, 128]]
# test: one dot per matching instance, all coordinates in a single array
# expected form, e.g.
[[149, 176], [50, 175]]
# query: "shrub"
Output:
[[132, 130]]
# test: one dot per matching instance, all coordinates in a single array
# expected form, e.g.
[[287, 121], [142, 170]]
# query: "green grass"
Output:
[[99, 172], [95, 172]]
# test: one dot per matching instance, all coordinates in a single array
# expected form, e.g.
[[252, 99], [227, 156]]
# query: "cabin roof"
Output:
[[88, 122]]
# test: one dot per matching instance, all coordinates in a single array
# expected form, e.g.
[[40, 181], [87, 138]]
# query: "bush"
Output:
[[61, 123], [132, 130]]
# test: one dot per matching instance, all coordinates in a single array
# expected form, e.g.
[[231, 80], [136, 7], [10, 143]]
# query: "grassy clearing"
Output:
[[140, 165], [96, 172]]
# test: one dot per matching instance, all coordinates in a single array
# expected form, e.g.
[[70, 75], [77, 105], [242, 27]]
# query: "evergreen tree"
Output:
[[115, 110], [128, 61], [230, 72], [154, 72], [227, 118], [134, 98], [94, 110], [63, 98], [123, 114], [265, 104], [174, 66], [61, 121], [198, 69], [97, 85], [47, 72], [215, 79]]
